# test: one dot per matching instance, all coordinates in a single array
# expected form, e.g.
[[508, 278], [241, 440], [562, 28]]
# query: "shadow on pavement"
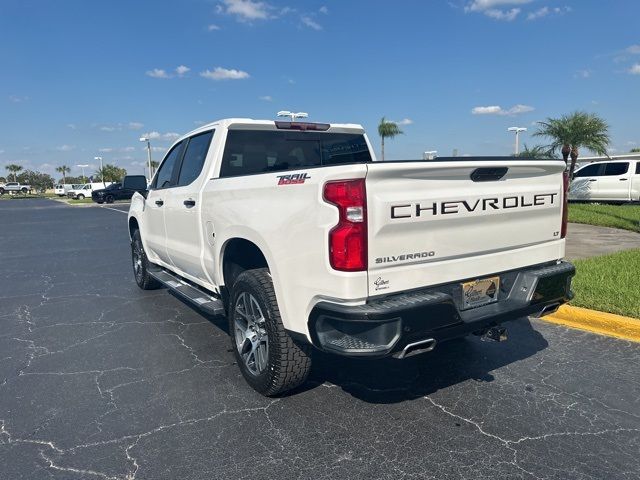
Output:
[[391, 381]]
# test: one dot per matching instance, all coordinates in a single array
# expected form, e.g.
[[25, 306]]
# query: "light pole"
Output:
[[101, 170], [146, 139], [517, 130], [83, 167], [287, 113]]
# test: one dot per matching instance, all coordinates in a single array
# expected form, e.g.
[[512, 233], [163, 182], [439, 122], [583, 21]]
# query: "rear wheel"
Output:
[[80, 197], [24, 191], [109, 199], [141, 264], [267, 356]]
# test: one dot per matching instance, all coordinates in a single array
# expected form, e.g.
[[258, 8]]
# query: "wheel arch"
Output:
[[237, 255], [133, 226]]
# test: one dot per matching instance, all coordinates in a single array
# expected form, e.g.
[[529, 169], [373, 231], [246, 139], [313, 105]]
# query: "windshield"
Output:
[[113, 186], [250, 151]]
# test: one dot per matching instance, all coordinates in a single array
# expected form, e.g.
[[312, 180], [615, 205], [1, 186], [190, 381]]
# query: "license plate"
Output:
[[480, 292]]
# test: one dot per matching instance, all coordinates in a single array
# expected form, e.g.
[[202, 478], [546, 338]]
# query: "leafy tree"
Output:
[[387, 130], [110, 173], [63, 170], [13, 168], [537, 152], [38, 181], [574, 131], [3, 180], [634, 150], [76, 180]]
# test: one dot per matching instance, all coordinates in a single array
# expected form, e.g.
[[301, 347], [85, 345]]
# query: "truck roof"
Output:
[[249, 123]]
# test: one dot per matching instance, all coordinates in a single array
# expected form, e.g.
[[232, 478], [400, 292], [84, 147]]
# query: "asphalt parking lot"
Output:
[[99, 379]]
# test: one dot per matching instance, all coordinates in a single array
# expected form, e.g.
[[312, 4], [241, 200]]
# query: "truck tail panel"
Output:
[[437, 222]]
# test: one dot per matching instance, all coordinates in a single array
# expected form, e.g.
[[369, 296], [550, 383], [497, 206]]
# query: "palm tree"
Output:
[[634, 150], [387, 129], [154, 167], [13, 168], [574, 131], [63, 170], [537, 152]]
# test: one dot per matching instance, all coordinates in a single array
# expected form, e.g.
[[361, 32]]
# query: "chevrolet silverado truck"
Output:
[[304, 241], [14, 187]]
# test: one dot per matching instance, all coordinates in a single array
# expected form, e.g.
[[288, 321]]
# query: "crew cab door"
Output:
[[614, 182], [154, 233], [585, 183], [182, 208]]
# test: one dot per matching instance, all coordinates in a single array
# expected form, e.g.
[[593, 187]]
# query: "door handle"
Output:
[[623, 179], [189, 203], [159, 203], [593, 179]]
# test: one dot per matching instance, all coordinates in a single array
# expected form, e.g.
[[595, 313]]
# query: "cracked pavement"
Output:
[[99, 379]]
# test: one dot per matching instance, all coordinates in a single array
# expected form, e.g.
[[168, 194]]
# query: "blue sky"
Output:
[[85, 78]]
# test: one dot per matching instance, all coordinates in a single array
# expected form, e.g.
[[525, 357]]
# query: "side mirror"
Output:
[[135, 182]]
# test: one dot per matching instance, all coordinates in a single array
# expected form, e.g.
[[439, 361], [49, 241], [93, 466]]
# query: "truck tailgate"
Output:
[[436, 222]]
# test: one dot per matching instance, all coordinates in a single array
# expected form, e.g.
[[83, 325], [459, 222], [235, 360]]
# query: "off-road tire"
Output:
[[288, 363], [141, 275], [109, 199]]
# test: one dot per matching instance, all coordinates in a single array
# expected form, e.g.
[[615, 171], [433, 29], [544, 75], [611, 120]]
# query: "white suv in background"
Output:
[[615, 181]]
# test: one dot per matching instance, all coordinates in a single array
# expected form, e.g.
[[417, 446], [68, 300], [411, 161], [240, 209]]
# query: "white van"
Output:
[[80, 192], [61, 190], [614, 181]]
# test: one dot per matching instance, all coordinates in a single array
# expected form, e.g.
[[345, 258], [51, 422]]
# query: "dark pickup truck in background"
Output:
[[121, 190]]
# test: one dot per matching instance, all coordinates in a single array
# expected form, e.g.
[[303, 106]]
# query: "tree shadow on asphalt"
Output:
[[389, 380]]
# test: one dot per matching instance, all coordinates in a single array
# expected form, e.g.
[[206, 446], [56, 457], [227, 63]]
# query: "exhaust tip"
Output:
[[415, 348]]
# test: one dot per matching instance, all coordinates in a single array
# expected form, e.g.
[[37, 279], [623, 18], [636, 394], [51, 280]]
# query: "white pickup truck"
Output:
[[305, 241]]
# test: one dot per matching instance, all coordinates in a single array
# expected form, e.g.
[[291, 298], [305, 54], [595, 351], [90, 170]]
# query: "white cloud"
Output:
[[498, 110], [541, 12], [181, 70], [18, 98], [157, 73], [128, 149], [582, 74], [220, 73], [72, 126], [246, 10], [505, 15], [310, 22], [105, 150], [633, 49], [635, 69], [155, 135], [109, 128], [405, 121], [266, 98], [1, 152], [135, 125], [65, 148], [612, 150], [212, 27], [323, 9]]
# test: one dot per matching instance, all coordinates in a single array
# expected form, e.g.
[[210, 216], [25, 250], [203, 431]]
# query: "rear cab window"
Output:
[[618, 168], [249, 152]]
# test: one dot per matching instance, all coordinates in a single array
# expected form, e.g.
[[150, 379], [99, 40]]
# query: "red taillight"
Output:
[[565, 202], [348, 239]]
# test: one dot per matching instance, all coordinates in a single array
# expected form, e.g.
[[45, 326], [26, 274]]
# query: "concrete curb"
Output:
[[597, 322]]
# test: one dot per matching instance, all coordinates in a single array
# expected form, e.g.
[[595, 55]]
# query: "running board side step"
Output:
[[207, 302]]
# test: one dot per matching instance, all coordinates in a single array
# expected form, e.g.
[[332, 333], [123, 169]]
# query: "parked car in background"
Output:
[[116, 191], [614, 181], [14, 187], [80, 192], [61, 190]]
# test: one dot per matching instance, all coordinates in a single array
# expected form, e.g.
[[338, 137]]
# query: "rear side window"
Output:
[[194, 157], [249, 151], [637, 168], [165, 172], [611, 169], [588, 171]]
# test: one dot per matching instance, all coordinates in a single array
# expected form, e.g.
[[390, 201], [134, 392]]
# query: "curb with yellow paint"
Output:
[[598, 322]]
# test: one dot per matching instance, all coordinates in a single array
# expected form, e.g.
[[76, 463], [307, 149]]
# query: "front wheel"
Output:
[[268, 358], [80, 197], [109, 199], [141, 264]]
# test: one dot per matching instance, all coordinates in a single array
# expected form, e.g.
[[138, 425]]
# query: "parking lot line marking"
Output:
[[597, 322], [115, 209]]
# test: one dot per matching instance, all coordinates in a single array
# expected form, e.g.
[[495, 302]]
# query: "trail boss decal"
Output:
[[452, 207], [293, 179]]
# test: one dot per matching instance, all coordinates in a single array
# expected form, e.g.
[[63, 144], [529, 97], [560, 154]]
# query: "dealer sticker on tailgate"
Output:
[[480, 292]]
